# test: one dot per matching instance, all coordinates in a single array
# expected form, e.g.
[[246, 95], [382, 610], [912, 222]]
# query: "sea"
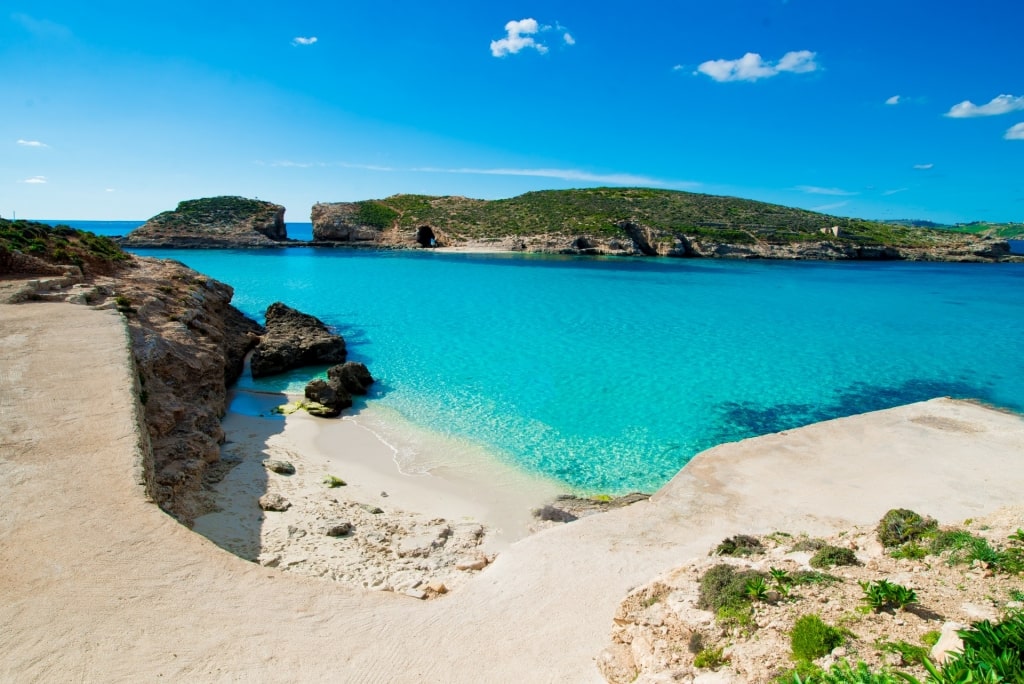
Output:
[[609, 374]]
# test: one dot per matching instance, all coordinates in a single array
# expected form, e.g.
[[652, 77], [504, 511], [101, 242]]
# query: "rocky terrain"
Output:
[[294, 339], [663, 633], [637, 222], [214, 222]]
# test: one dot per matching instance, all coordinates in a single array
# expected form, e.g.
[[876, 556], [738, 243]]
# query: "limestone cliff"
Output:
[[214, 222], [189, 343]]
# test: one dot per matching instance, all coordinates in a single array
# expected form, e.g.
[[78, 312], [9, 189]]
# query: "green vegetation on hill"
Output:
[[217, 210], [1004, 231], [59, 244], [602, 212]]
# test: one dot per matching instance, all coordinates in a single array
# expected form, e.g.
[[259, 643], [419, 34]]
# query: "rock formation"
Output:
[[292, 340], [223, 222], [340, 222], [189, 343], [330, 397]]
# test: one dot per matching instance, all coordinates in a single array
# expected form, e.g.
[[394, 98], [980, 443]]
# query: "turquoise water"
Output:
[[296, 231], [610, 374]]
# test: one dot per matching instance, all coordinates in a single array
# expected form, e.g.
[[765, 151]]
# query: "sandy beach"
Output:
[[100, 585]]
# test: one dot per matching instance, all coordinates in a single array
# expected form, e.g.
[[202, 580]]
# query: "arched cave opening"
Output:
[[425, 236]]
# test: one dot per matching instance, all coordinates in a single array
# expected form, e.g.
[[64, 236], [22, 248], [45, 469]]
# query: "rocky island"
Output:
[[225, 222]]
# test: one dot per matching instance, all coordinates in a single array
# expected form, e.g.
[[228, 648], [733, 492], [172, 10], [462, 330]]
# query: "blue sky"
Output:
[[871, 109]]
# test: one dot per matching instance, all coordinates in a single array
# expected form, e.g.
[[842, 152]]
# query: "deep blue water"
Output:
[[610, 374], [296, 231]]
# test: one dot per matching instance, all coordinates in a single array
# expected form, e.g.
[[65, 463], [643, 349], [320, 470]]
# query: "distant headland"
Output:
[[595, 221]]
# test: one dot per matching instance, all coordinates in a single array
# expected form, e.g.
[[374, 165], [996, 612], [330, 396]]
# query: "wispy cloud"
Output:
[[566, 174], [300, 40], [110, 190], [894, 100], [35, 180], [1001, 104], [518, 37], [886, 193], [830, 207], [568, 39], [31, 143], [815, 190], [751, 67], [42, 28], [289, 164], [1015, 132], [923, 167]]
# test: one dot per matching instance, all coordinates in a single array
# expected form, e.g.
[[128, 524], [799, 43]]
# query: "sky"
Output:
[[881, 110]]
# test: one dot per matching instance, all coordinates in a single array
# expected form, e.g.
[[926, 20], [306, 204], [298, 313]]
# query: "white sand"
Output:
[[98, 585]]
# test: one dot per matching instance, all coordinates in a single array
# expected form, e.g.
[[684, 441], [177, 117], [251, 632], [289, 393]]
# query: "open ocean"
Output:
[[609, 374]]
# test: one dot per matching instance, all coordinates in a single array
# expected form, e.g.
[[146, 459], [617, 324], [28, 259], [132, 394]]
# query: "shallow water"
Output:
[[610, 374]]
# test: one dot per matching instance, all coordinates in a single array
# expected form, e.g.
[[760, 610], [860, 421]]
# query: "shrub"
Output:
[[829, 556], [808, 544], [901, 525], [991, 653], [885, 594], [740, 545], [811, 638], [845, 673], [722, 586], [709, 658]]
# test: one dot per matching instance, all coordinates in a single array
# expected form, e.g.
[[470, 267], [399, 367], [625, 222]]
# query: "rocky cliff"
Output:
[[189, 344], [637, 222], [214, 222]]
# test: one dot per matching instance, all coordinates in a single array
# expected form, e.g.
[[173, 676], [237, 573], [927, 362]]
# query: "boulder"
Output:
[[274, 502], [292, 340], [337, 528], [279, 467], [353, 376]]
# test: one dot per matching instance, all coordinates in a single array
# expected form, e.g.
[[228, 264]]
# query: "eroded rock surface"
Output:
[[214, 222], [294, 339]]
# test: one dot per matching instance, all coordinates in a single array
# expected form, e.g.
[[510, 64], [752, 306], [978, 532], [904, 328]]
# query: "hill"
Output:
[[214, 222], [36, 248], [636, 221]]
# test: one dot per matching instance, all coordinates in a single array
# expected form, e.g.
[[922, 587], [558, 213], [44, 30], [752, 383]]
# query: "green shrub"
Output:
[[757, 589], [901, 525], [709, 658], [885, 594], [740, 545], [722, 585], [811, 638], [909, 653], [991, 653], [808, 544], [845, 673], [829, 556], [332, 481]]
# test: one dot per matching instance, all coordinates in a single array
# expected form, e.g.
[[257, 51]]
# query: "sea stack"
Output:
[[214, 222]]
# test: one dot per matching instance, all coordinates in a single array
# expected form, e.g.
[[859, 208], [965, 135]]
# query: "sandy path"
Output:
[[99, 585]]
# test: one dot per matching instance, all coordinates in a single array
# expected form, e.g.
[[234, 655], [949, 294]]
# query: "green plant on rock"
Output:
[[811, 638], [844, 672], [901, 525], [829, 556], [740, 545], [885, 594], [725, 586], [757, 589], [992, 653], [332, 481], [710, 658], [782, 581], [909, 653]]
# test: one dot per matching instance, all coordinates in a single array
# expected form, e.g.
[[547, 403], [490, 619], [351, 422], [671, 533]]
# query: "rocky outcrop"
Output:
[[188, 343], [330, 397], [341, 222], [292, 340], [214, 222]]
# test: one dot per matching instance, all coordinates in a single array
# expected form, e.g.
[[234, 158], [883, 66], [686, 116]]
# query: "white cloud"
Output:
[[31, 143], [1002, 104], [300, 40], [923, 167], [893, 192], [518, 38], [829, 207], [750, 67], [677, 67], [569, 40], [35, 180], [815, 190], [894, 100], [1015, 132], [566, 174], [110, 190]]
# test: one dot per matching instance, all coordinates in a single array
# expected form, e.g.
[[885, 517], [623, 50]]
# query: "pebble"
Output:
[[415, 593]]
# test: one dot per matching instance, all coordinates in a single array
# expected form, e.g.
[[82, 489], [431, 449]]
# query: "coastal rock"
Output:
[[352, 376], [274, 502], [345, 222], [329, 396], [279, 467], [188, 344], [337, 528], [568, 507], [294, 339], [214, 222]]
